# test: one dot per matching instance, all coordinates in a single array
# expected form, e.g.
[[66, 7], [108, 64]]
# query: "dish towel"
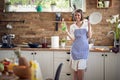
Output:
[[36, 70]]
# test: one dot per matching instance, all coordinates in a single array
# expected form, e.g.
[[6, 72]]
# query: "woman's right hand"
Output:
[[66, 29]]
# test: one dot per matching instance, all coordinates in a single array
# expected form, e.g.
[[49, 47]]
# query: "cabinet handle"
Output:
[[68, 74], [68, 52], [31, 53], [105, 54], [102, 54], [68, 60], [35, 53]]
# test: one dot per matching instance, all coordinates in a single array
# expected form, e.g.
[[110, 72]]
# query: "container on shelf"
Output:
[[106, 4]]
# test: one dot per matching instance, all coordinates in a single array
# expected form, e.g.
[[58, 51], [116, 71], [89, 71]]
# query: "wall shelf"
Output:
[[65, 21], [104, 4], [21, 21]]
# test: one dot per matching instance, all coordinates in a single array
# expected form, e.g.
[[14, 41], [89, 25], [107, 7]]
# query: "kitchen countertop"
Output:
[[67, 48]]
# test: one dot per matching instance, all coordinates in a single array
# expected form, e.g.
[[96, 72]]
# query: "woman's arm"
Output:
[[70, 36], [89, 34], [70, 33]]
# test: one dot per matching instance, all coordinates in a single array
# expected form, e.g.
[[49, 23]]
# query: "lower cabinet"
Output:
[[112, 65], [95, 68], [100, 65], [45, 59], [103, 66], [7, 54], [63, 57], [118, 61]]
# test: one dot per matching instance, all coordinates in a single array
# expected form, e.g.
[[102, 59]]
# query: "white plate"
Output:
[[95, 18]]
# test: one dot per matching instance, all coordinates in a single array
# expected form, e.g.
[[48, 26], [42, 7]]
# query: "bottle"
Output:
[[44, 43], [63, 24]]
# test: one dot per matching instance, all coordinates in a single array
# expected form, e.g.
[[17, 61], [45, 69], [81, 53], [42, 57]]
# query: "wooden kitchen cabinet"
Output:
[[45, 59], [7, 54], [103, 66], [63, 57], [100, 66], [112, 65], [95, 66], [27, 54], [118, 61]]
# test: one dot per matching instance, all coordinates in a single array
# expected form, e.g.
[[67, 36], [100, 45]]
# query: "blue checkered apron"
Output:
[[80, 46]]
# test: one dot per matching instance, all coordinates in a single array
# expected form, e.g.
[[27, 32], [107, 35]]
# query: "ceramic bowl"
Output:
[[33, 45]]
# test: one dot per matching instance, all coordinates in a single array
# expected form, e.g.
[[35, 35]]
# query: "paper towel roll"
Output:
[[55, 42]]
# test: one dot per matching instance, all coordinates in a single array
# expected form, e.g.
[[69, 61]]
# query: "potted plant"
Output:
[[114, 21], [53, 5], [100, 4], [39, 6], [63, 42], [7, 6]]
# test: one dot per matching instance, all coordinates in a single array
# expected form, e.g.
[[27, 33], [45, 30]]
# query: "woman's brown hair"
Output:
[[81, 12]]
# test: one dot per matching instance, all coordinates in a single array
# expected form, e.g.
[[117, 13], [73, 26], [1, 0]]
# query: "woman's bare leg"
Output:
[[80, 74], [75, 75]]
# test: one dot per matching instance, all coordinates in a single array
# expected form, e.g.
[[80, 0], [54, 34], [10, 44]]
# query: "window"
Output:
[[79, 4], [31, 5]]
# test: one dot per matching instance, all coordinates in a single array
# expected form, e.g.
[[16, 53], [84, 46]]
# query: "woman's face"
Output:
[[77, 16]]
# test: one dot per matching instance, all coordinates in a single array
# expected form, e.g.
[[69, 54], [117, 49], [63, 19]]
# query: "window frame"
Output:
[[33, 9]]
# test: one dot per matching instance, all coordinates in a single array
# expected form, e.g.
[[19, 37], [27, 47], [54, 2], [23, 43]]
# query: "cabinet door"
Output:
[[63, 57], [112, 65], [95, 66], [45, 58], [27, 55], [7, 54], [118, 65]]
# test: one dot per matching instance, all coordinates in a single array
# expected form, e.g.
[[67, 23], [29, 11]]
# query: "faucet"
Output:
[[114, 34]]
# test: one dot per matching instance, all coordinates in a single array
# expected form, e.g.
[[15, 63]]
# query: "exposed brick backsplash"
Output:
[[39, 25]]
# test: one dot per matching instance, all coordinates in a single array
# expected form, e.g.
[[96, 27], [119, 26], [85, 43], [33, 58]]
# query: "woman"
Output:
[[80, 31]]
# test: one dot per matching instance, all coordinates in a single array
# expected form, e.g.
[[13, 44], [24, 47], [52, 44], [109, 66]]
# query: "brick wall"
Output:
[[36, 26], [1, 5]]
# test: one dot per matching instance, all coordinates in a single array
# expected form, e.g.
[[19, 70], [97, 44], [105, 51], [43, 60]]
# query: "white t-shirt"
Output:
[[74, 26]]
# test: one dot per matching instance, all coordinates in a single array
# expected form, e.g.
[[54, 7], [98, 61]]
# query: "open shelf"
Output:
[[104, 3], [65, 21]]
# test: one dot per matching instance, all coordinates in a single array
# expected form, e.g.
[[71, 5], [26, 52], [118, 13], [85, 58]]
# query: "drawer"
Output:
[[59, 60], [65, 67], [61, 54], [66, 76]]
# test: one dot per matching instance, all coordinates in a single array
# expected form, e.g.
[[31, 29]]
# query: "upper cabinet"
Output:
[[104, 3]]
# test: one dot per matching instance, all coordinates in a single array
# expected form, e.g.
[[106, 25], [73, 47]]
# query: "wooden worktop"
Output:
[[95, 49]]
